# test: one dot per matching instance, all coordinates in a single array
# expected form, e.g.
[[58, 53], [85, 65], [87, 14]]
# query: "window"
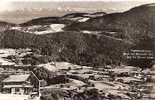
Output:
[[16, 89]]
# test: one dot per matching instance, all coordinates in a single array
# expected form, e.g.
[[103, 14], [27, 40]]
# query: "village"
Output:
[[33, 82]]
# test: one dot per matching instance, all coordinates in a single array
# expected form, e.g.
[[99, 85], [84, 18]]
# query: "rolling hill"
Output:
[[96, 41], [135, 24]]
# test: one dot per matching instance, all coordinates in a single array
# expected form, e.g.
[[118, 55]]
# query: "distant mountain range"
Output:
[[93, 39]]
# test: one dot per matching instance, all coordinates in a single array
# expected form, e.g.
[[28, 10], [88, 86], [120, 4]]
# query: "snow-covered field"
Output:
[[41, 29], [11, 52], [56, 66], [53, 28], [83, 19], [13, 97], [16, 97], [5, 53]]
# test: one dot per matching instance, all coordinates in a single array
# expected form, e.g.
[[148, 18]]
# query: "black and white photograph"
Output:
[[77, 50]]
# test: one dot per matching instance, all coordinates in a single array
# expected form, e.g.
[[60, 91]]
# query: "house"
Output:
[[24, 84]]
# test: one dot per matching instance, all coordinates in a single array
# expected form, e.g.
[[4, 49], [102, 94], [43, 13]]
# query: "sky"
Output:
[[57, 7], [115, 4], [127, 4]]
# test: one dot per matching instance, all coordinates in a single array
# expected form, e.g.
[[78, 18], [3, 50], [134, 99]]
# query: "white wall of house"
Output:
[[13, 90], [17, 90], [22, 90]]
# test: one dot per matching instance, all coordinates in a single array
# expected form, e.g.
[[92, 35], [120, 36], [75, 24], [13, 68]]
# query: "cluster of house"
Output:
[[124, 82]]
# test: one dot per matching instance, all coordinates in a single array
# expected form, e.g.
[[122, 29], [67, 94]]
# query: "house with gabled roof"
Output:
[[24, 84]]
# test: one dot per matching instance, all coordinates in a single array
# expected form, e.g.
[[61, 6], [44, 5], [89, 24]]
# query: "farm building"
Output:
[[24, 84]]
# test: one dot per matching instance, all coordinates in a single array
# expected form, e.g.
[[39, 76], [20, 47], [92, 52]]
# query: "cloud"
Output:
[[5, 5]]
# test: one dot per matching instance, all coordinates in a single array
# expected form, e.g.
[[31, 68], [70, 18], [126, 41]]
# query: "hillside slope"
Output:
[[136, 24], [95, 41], [75, 47]]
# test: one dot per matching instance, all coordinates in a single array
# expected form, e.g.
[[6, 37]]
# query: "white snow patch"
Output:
[[76, 82], [83, 19], [7, 52], [102, 86], [56, 66], [12, 52], [53, 28], [43, 32], [14, 97], [57, 27], [129, 79], [118, 93], [33, 27], [66, 65], [49, 67], [90, 32], [6, 62], [16, 28]]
